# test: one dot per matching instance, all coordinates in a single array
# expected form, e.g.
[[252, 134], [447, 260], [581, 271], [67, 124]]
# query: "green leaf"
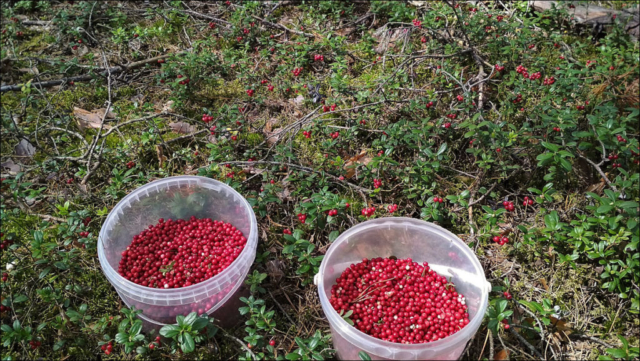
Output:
[[188, 344], [180, 320], [292, 356], [565, 164], [136, 328], [190, 319], [617, 352], [333, 235], [169, 331], [20, 298], [604, 208], [364, 356], [121, 337], [200, 323], [442, 149], [551, 147]]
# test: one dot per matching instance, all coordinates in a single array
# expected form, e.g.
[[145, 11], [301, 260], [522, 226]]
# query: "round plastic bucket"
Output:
[[403, 238], [177, 198]]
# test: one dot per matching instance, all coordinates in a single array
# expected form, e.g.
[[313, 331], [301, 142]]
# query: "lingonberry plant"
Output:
[[512, 124]]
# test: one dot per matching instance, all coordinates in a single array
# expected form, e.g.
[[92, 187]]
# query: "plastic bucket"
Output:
[[177, 198], [403, 238]]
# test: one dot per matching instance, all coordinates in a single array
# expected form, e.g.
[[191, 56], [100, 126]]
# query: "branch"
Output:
[[104, 73], [282, 27], [302, 168], [526, 343], [597, 167]]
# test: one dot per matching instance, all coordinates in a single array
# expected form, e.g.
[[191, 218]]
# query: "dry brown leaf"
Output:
[[274, 270], [100, 112], [298, 101], [11, 167], [166, 107], [182, 127], [502, 355], [82, 50], [272, 136], [33, 70], [285, 195], [161, 157], [544, 284], [351, 165], [345, 31], [87, 119], [560, 325], [25, 149], [597, 188]]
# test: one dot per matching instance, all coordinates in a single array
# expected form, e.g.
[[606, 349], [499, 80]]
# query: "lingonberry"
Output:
[[151, 346], [174, 254], [508, 206], [392, 208], [286, 231], [272, 343], [302, 217], [368, 212], [399, 300], [507, 295], [377, 183]]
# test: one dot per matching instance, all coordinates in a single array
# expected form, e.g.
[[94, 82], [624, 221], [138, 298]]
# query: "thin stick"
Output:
[[282, 27]]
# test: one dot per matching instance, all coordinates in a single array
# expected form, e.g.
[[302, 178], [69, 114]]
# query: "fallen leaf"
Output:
[[299, 100], [597, 188], [212, 139], [544, 284], [285, 194], [32, 70], [502, 355], [274, 270], [82, 50], [161, 157], [345, 31], [272, 136], [11, 166], [100, 112], [560, 325], [354, 162], [87, 119], [182, 127], [25, 149]]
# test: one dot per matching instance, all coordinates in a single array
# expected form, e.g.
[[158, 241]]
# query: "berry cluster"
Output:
[[500, 240], [507, 295], [131, 164], [207, 118], [423, 40], [531, 46], [181, 253], [307, 134], [429, 105], [447, 125], [5, 277], [460, 98], [580, 107], [212, 25], [335, 135], [527, 201], [620, 138], [377, 183], [535, 76], [107, 348], [250, 92], [4, 244], [286, 231], [508, 206], [437, 200], [318, 57], [302, 217], [332, 212], [368, 212], [499, 18], [549, 81], [557, 129], [4, 308], [34, 344], [518, 99], [399, 300], [183, 82], [452, 116], [417, 23], [392, 208], [297, 71], [590, 63], [522, 70], [363, 122]]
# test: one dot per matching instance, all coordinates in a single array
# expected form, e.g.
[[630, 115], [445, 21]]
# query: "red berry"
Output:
[[152, 346], [272, 343]]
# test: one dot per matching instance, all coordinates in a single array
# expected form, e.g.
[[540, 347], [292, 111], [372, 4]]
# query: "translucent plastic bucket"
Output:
[[404, 238], [177, 198]]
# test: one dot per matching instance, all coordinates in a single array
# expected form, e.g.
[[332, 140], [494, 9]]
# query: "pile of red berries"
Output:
[[335, 135], [437, 200], [399, 300], [535, 76], [508, 206], [392, 208], [307, 134], [368, 212], [297, 71], [549, 81], [181, 253], [429, 105], [131, 164], [500, 240], [518, 99], [377, 183], [207, 118], [34, 344], [522, 70], [527, 201], [107, 348], [318, 57], [302, 217]]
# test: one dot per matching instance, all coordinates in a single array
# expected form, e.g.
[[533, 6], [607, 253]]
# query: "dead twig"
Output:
[[282, 27]]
